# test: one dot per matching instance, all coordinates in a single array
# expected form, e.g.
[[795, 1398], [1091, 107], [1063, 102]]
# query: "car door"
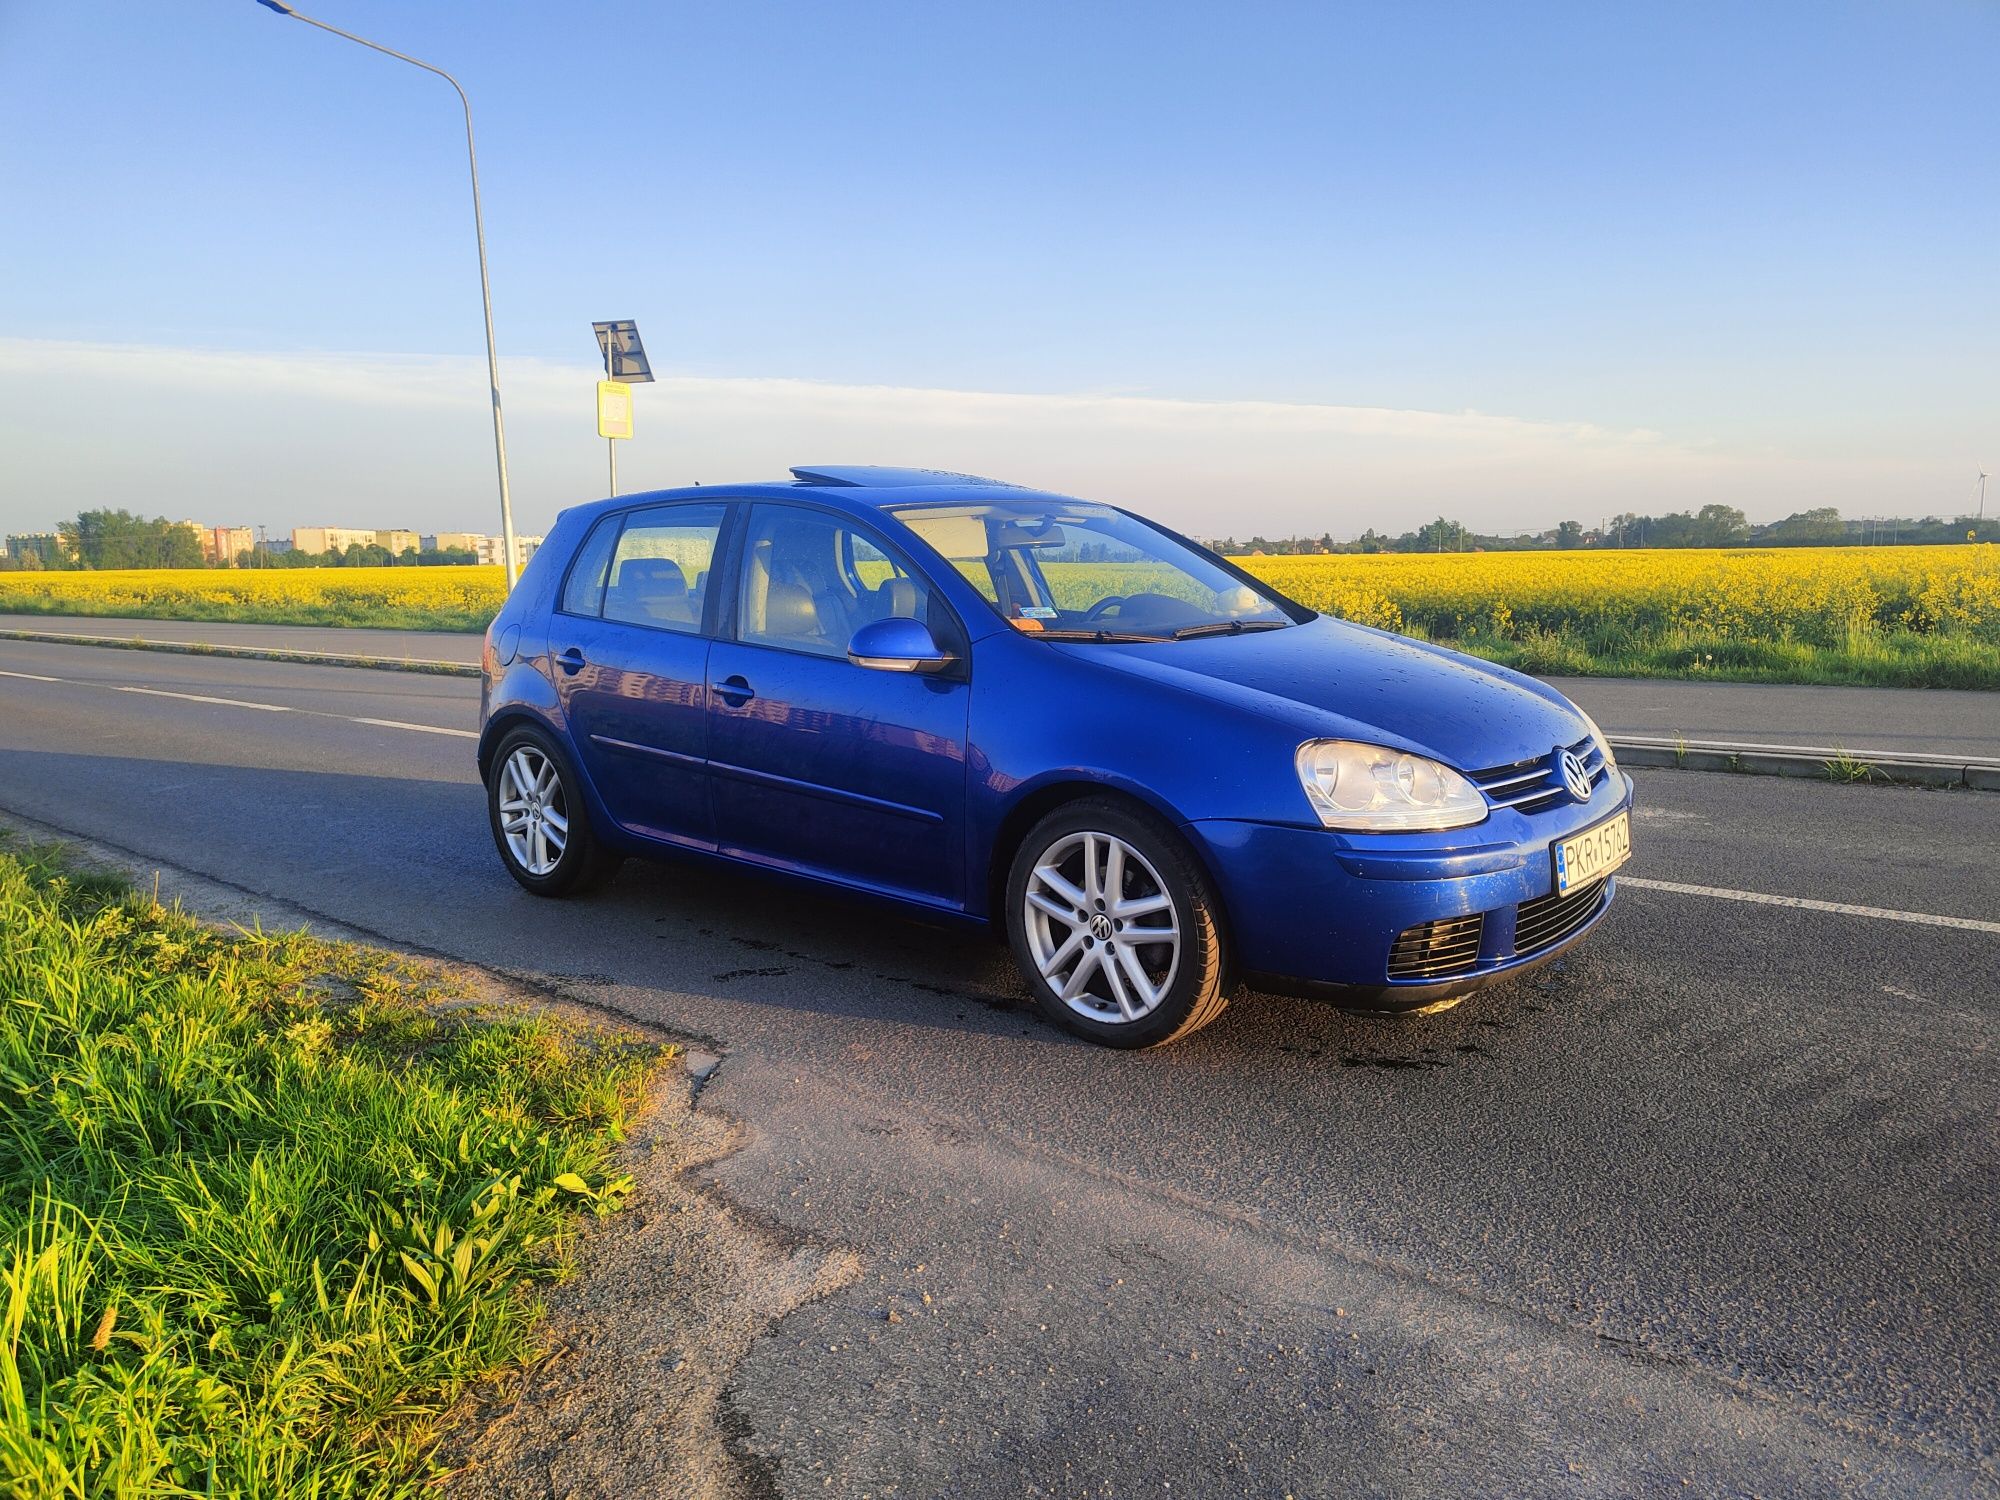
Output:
[[628, 647], [821, 766]]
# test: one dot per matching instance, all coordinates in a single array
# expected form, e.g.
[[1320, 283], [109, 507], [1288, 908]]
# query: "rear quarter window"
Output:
[[583, 590]]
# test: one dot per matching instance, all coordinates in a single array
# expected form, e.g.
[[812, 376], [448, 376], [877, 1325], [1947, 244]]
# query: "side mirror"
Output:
[[898, 645]]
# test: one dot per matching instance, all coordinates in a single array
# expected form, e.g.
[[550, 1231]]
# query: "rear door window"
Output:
[[659, 569]]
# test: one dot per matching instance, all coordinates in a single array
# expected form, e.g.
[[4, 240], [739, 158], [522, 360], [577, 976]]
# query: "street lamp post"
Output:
[[485, 287]]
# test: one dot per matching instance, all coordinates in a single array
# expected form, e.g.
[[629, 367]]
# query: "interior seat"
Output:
[[649, 588], [790, 615], [896, 599]]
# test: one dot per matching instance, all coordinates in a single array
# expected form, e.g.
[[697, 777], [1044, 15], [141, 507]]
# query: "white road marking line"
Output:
[[468, 734], [1838, 908], [269, 708], [119, 687]]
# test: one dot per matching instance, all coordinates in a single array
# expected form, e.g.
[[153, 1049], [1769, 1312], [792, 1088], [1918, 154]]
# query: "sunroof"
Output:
[[867, 476]]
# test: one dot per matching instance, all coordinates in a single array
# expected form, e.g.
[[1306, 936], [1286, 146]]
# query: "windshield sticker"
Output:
[[1036, 612]]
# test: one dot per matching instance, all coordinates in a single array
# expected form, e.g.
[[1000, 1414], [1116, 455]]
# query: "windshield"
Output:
[[1070, 571]]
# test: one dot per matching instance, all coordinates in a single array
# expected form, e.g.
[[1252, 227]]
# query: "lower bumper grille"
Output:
[[1437, 950], [1547, 920]]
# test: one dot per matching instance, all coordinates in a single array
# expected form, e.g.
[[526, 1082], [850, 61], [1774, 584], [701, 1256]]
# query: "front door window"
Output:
[[810, 580]]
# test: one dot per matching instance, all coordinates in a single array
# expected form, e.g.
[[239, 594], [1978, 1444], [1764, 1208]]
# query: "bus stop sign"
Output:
[[614, 409]]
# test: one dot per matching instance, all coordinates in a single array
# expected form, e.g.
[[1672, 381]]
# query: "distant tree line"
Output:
[[1711, 526], [118, 539]]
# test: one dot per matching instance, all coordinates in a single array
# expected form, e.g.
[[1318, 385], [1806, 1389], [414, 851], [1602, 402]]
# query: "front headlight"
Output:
[[1603, 744], [1376, 789]]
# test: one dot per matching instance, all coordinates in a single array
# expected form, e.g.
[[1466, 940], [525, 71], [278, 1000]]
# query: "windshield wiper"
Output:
[[1226, 627], [1096, 637]]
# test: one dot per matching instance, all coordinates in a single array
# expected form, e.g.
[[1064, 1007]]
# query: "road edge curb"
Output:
[[1811, 762]]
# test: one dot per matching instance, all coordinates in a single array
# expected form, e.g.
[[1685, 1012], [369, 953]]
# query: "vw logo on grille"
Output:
[[1574, 774]]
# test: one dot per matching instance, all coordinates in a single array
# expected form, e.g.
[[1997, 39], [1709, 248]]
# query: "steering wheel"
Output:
[[1102, 607]]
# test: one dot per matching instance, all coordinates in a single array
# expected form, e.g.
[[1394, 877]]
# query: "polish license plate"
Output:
[[1592, 854]]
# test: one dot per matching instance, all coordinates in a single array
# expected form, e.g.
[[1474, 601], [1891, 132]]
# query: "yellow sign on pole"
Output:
[[614, 409]]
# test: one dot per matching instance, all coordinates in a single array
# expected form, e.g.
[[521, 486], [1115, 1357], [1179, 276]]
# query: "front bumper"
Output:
[[1315, 912]]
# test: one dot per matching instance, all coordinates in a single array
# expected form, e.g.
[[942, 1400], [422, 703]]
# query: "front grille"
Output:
[[1437, 949], [1530, 785], [1547, 920]]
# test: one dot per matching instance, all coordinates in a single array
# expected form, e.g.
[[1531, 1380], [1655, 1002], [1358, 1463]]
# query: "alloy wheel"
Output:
[[1101, 927], [534, 813]]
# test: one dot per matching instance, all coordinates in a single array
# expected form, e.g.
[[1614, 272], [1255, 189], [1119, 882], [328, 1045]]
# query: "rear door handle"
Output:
[[734, 691], [571, 660]]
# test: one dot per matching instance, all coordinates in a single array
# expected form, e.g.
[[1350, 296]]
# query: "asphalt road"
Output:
[[1710, 1206], [1933, 720], [1859, 719]]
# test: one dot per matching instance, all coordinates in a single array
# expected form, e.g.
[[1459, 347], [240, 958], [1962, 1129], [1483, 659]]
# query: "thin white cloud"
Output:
[[550, 386], [394, 439]]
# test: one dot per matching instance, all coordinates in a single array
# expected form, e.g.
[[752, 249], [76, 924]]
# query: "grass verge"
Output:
[[1868, 659], [356, 613], [265, 1211]]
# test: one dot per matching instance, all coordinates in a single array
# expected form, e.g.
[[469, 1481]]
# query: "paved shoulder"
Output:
[[1861, 719], [392, 645]]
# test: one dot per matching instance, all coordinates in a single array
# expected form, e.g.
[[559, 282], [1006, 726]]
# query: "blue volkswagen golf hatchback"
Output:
[[1158, 778]]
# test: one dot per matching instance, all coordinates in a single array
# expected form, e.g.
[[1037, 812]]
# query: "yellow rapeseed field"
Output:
[[1820, 596], [461, 598], [1915, 615]]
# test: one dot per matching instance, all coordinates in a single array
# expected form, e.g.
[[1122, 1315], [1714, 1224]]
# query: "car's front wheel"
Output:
[[1115, 926], [540, 823]]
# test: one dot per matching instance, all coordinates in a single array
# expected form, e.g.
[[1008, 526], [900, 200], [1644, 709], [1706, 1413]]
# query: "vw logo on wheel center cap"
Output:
[[1574, 774], [1100, 927]]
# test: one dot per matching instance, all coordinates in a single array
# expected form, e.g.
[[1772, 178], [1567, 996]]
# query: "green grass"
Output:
[[349, 614], [1868, 659], [265, 1211]]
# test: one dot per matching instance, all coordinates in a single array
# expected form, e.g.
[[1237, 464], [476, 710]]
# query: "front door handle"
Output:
[[571, 661], [734, 691]]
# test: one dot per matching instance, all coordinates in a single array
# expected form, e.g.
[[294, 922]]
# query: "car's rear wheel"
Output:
[[540, 823], [1115, 926]]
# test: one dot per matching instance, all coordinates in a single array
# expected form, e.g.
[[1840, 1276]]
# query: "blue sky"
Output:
[[1247, 266]]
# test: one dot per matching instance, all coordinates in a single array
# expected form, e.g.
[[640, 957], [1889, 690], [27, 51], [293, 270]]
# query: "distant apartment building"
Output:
[[492, 551], [454, 541], [228, 544], [396, 543], [45, 545], [330, 538]]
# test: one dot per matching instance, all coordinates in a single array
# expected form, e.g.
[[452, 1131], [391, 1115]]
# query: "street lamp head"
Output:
[[279, 6]]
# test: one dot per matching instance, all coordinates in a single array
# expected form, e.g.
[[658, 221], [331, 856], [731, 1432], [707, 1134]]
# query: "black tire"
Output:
[[1198, 988], [584, 862]]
